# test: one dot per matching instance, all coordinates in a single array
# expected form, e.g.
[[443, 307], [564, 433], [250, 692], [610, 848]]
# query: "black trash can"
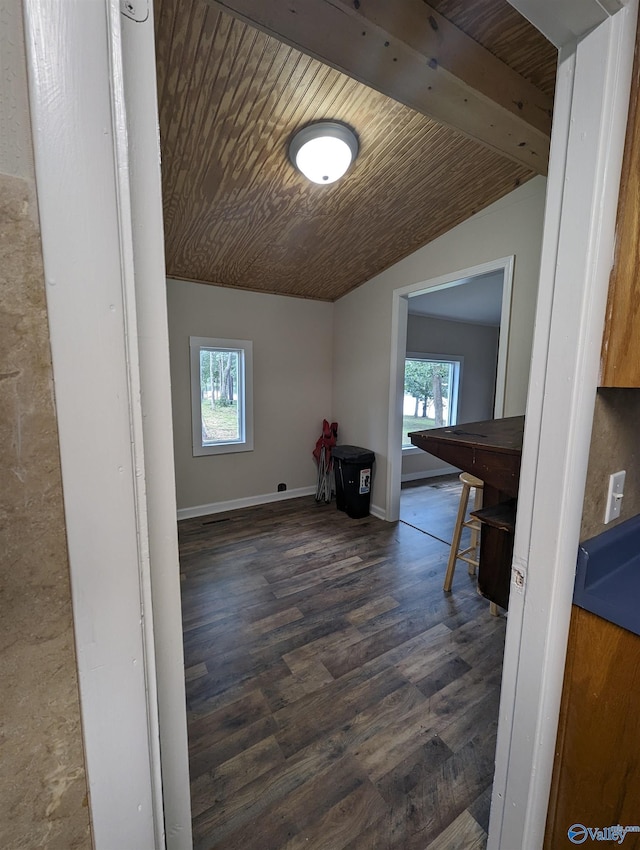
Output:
[[353, 469]]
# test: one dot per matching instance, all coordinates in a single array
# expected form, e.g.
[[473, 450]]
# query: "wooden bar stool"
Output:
[[471, 555]]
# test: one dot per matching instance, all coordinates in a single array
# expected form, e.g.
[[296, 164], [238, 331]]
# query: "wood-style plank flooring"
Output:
[[432, 507], [337, 698]]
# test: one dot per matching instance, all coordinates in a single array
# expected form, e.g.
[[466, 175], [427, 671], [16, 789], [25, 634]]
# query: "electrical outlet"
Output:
[[614, 496]]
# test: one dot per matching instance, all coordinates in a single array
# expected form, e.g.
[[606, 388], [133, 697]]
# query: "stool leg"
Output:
[[475, 534], [457, 534]]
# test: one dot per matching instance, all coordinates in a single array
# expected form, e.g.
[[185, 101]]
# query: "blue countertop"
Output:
[[608, 575]]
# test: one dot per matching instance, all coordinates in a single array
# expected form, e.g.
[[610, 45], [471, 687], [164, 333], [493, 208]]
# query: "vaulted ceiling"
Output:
[[467, 121]]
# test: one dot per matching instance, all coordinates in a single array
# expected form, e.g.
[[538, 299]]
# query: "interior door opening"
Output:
[[462, 319]]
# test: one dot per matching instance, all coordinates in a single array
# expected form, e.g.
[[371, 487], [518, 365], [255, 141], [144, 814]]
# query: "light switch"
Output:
[[614, 496]]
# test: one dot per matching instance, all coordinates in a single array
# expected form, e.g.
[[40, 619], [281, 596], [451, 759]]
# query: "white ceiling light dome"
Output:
[[323, 151]]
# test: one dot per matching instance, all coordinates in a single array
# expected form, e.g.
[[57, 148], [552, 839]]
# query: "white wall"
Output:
[[362, 318], [478, 345], [292, 379]]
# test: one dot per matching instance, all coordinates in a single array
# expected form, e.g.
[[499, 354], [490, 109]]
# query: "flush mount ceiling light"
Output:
[[323, 151]]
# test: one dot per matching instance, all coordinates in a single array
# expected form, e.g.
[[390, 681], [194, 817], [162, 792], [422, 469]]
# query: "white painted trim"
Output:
[[264, 499], [245, 502], [124, 213], [564, 22], [378, 512], [552, 217], [80, 143], [453, 279], [244, 349], [431, 473], [138, 57], [399, 318], [503, 339], [410, 450], [584, 172]]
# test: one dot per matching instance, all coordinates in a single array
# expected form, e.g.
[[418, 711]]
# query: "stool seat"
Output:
[[471, 480]]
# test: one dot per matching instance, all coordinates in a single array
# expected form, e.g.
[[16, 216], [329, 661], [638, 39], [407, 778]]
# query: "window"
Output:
[[431, 384], [221, 395]]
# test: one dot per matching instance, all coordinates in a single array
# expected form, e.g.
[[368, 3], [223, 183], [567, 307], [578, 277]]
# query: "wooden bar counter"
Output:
[[491, 450]]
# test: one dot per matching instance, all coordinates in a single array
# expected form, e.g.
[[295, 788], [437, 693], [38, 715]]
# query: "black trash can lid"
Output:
[[353, 454]]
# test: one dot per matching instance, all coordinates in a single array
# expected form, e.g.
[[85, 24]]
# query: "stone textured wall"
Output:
[[43, 795], [615, 445], [42, 780]]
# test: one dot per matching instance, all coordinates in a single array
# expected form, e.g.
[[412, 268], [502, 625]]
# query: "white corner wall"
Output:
[[362, 318], [292, 378]]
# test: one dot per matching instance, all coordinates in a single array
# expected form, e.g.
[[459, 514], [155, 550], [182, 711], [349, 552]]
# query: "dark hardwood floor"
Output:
[[432, 506], [337, 698]]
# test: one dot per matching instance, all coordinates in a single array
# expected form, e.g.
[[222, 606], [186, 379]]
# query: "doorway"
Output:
[[453, 335], [440, 314]]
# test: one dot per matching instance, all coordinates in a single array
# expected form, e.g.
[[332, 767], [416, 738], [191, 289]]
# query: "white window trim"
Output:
[[455, 393], [245, 392]]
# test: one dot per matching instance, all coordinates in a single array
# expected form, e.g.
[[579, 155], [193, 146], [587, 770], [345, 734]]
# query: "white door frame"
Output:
[[80, 140], [103, 254], [139, 82], [399, 319], [590, 115]]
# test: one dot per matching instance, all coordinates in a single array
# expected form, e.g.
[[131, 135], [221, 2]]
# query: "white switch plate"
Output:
[[614, 496]]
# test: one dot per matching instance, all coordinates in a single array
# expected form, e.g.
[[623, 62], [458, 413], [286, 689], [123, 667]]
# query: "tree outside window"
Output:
[[221, 396], [430, 393], [219, 406]]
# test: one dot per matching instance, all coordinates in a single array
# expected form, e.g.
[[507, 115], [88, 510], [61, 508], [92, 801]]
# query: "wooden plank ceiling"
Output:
[[236, 211]]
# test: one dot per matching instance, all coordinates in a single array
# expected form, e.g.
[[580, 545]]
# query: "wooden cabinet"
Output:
[[596, 779], [620, 362]]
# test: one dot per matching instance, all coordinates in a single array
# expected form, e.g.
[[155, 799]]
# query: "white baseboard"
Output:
[[247, 502], [376, 511], [429, 473]]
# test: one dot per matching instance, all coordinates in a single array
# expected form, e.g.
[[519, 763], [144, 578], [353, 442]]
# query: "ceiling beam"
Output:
[[409, 52]]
